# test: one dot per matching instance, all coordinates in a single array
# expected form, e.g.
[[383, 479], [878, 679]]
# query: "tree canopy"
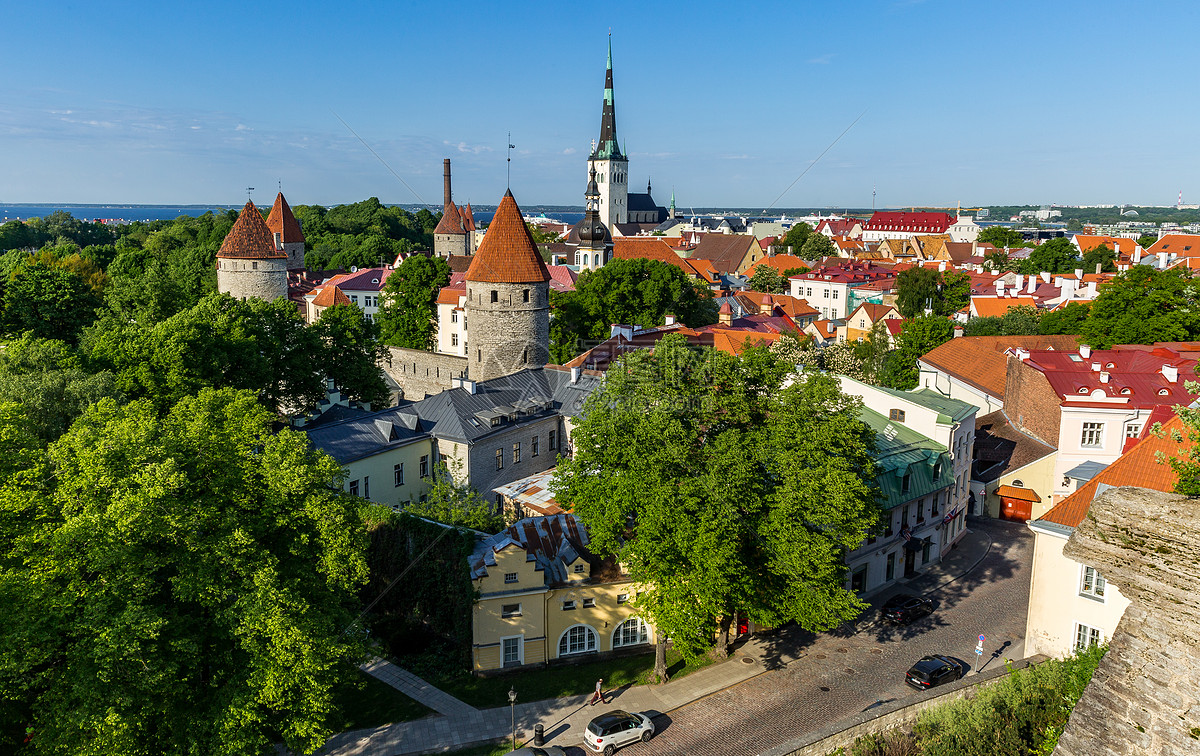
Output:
[[408, 312], [722, 490], [918, 289], [175, 583], [1001, 236], [795, 237], [1053, 256], [917, 337], [767, 280], [1103, 256], [1141, 306]]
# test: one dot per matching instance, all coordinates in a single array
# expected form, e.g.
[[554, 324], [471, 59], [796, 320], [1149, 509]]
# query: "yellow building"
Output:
[[864, 318], [544, 597]]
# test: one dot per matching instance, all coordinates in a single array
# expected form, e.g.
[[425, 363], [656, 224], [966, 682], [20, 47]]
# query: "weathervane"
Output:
[[248, 190], [511, 147]]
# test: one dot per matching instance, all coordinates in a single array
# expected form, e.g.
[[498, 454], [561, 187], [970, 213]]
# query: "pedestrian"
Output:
[[599, 694]]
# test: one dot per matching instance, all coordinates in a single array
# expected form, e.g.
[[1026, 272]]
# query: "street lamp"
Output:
[[512, 705]]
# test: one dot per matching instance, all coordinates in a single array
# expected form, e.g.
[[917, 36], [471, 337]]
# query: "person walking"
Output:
[[599, 694]]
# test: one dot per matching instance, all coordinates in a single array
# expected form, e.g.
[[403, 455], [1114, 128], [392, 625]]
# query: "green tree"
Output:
[[983, 326], [955, 293], [51, 302], [722, 491], [1102, 256], [874, 353], [998, 261], [1146, 241], [918, 336], [409, 312], [351, 352], [635, 291], [817, 246], [452, 501], [1022, 320], [917, 289], [1053, 256], [1074, 226], [1001, 236], [1067, 320], [795, 238], [1141, 306], [177, 584], [767, 279]]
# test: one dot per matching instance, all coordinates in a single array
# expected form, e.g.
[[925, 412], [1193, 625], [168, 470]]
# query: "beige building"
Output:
[[544, 597]]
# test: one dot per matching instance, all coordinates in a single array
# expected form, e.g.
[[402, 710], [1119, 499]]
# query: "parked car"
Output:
[[904, 608], [535, 751], [608, 732], [933, 671]]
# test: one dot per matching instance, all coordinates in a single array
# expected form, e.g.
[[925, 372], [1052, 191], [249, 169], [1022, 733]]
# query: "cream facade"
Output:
[[1038, 476], [1093, 433], [1070, 604], [394, 477]]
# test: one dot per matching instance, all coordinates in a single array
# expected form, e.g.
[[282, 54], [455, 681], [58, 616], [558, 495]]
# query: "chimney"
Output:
[[958, 331], [725, 314], [1096, 367], [1079, 273], [1162, 260], [1046, 276], [767, 306], [1098, 267], [446, 181], [1022, 354], [1171, 373], [1032, 284], [999, 287], [575, 371], [670, 319], [1091, 289], [1085, 351], [1018, 283], [1137, 254], [1104, 376]]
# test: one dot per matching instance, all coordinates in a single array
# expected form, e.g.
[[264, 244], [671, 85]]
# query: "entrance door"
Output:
[[910, 563], [1015, 509]]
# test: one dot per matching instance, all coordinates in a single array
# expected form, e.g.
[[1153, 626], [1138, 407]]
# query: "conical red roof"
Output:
[[507, 253], [282, 222], [250, 238], [451, 222], [330, 296]]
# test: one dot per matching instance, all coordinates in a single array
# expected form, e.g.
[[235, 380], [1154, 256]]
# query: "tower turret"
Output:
[[611, 165], [508, 299], [249, 265], [595, 241], [287, 232], [451, 237]]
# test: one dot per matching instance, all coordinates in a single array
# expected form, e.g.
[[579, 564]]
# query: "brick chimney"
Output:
[[446, 181]]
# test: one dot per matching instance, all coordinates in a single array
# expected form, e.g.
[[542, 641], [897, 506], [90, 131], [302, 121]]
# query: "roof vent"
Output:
[[1171, 373], [1104, 376], [1095, 367], [1085, 351]]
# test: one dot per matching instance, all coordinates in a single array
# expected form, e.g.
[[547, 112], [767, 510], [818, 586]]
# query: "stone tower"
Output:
[[451, 237], [611, 166], [249, 265], [595, 241], [286, 231], [508, 299]]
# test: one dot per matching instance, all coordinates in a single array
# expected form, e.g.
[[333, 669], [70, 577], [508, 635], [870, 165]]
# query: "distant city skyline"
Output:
[[1017, 103]]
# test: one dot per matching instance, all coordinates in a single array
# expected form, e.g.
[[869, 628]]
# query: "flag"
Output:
[[906, 532], [950, 515]]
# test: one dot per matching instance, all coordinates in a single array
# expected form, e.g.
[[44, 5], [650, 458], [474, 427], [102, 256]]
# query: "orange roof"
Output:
[[780, 263], [1180, 244], [734, 341], [1087, 243], [702, 268], [451, 294], [980, 360], [1137, 467], [507, 253], [468, 217], [329, 296], [874, 311], [250, 238], [282, 222], [794, 307], [1012, 492], [647, 248], [451, 222], [995, 307], [826, 328]]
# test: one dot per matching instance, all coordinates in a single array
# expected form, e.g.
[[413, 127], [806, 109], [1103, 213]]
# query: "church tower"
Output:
[[249, 265], [508, 299], [286, 230], [595, 241], [611, 166]]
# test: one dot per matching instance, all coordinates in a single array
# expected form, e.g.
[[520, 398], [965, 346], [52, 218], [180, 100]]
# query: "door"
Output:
[[628, 734], [910, 563], [1015, 509]]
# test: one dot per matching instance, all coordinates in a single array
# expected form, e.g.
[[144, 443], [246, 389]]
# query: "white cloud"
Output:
[[822, 60]]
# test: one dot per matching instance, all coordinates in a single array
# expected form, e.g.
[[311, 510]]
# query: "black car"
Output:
[[933, 671], [904, 608]]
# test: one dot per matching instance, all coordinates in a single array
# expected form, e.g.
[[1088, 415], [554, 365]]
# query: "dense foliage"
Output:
[[1021, 320], [363, 234], [722, 490], [1142, 306], [942, 293], [408, 315]]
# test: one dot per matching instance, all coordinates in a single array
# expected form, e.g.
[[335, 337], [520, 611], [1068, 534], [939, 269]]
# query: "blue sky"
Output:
[[1006, 102]]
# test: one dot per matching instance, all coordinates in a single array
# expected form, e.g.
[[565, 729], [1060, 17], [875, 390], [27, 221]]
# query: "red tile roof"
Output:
[[250, 239], [366, 279], [838, 226], [915, 223], [1137, 467], [1179, 244], [507, 253], [329, 296], [779, 263], [725, 251], [873, 311], [647, 248], [1012, 492], [282, 222], [1134, 375], [980, 361], [451, 295], [451, 222], [1087, 243]]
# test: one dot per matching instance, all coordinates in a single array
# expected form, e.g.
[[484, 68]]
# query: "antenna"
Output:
[[511, 147], [248, 190], [872, 198]]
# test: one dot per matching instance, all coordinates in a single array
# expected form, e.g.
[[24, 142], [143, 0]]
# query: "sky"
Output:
[[974, 103]]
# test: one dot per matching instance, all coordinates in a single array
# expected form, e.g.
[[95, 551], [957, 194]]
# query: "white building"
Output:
[[362, 287]]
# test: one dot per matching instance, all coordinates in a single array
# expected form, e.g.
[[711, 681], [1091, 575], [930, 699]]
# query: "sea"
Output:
[[107, 213]]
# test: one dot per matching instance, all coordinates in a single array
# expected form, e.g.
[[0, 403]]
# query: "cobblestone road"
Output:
[[840, 674]]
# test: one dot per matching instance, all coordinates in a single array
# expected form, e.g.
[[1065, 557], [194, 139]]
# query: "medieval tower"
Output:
[[611, 166], [595, 241], [508, 299], [249, 264], [285, 229], [454, 232]]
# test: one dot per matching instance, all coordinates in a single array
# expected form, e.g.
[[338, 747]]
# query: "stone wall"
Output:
[[510, 334], [1145, 696], [419, 374], [295, 253], [1031, 403], [482, 456], [252, 279], [445, 245]]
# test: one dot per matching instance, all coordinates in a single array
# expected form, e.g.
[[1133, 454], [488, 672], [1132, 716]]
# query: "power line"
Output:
[[814, 162], [381, 160]]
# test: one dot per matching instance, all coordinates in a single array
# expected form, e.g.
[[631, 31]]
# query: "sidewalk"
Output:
[[564, 718]]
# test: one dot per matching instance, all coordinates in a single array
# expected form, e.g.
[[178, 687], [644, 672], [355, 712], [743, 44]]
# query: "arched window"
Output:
[[578, 639], [631, 632]]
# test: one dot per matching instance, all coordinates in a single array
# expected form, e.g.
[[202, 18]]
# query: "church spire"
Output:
[[608, 149]]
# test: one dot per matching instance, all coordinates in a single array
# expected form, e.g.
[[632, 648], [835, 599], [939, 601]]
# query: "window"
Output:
[[622, 598], [516, 452], [454, 316], [579, 569], [525, 294], [904, 516], [921, 510], [354, 298], [1087, 636], [631, 632], [577, 640], [1133, 430], [897, 415], [925, 551], [424, 465], [937, 470], [253, 266], [525, 356], [589, 603], [533, 446], [933, 508], [354, 488], [398, 474], [553, 440], [568, 606], [495, 296], [510, 577], [890, 573], [1018, 484], [512, 650], [499, 459], [1092, 434], [904, 482], [510, 610], [1092, 584], [453, 339], [366, 486]]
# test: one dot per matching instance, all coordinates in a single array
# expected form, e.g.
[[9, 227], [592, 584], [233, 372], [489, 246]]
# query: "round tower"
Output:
[[508, 299], [249, 265], [451, 237], [595, 241], [285, 229]]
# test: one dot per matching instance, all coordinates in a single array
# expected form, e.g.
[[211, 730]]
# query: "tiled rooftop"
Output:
[[250, 239]]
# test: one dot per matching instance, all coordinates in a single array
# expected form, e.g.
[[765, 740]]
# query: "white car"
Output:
[[608, 732]]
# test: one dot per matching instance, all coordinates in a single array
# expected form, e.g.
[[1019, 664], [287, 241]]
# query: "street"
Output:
[[815, 681]]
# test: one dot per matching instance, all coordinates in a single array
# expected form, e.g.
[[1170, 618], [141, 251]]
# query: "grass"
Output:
[[560, 681], [368, 702]]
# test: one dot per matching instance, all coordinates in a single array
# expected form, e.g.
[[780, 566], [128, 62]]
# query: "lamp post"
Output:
[[512, 705]]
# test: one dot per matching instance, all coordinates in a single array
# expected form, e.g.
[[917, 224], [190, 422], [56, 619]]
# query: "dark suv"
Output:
[[904, 608], [932, 671]]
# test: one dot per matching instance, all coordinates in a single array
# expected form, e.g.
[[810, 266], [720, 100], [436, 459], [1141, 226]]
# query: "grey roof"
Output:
[[368, 434], [553, 542], [1085, 471], [459, 415], [644, 203]]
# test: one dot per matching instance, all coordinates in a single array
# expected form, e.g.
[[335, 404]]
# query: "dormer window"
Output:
[[579, 569], [1083, 389], [905, 481], [1163, 392], [1126, 391]]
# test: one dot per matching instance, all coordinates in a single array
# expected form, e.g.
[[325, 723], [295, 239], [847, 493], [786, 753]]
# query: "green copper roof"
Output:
[[950, 410], [607, 148], [902, 451]]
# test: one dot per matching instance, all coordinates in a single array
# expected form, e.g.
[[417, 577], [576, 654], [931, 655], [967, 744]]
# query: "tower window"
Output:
[[479, 355], [525, 355], [526, 294], [495, 296], [254, 266]]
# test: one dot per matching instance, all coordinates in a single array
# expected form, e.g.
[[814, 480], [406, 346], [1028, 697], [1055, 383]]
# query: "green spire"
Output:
[[607, 148]]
